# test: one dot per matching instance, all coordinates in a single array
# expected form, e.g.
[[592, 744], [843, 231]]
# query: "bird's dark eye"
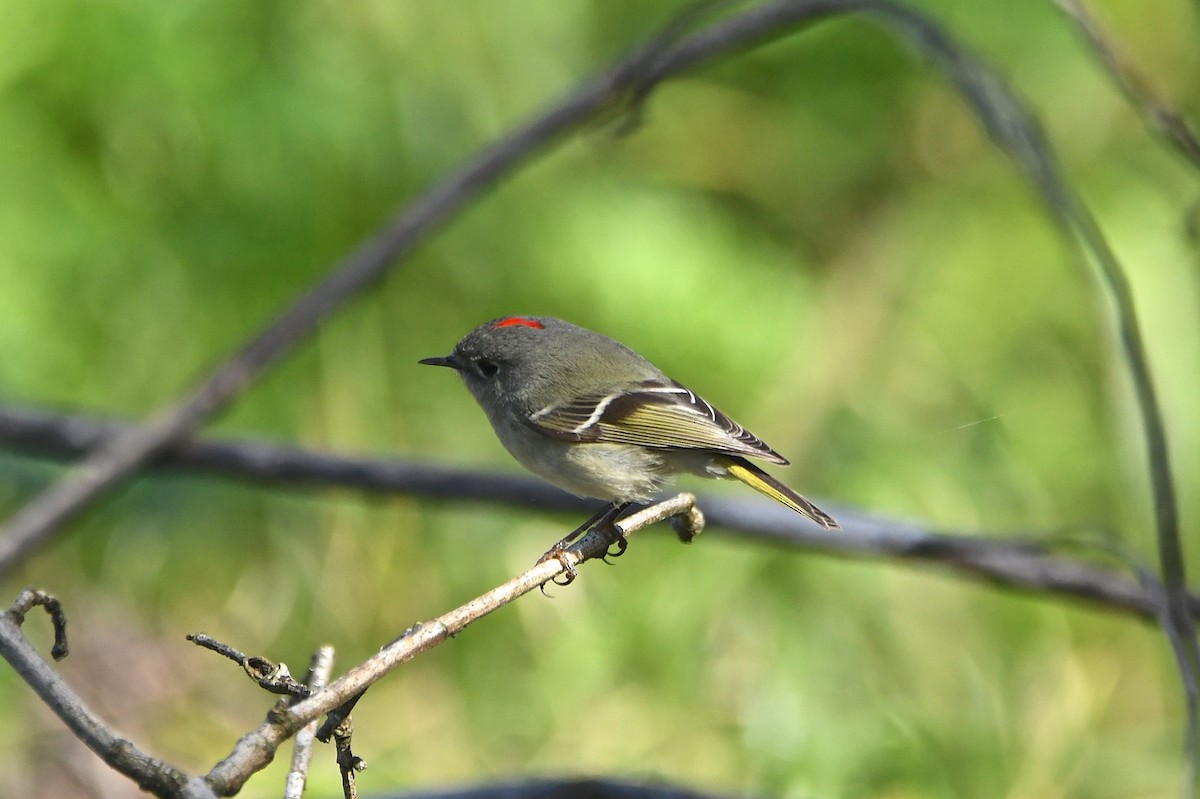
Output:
[[487, 368]]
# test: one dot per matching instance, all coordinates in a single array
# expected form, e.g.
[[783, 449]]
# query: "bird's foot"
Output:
[[603, 522], [559, 552], [616, 538]]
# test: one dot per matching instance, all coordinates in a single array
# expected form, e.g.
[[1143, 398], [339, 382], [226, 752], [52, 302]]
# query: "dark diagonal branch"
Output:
[[1019, 564], [269, 676], [115, 458]]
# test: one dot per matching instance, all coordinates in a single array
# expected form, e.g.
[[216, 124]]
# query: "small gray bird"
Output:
[[591, 416]]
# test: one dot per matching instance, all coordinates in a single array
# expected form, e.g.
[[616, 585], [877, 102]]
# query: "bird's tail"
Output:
[[764, 483]]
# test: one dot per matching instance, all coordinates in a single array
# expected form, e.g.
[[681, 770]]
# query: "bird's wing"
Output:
[[651, 414]]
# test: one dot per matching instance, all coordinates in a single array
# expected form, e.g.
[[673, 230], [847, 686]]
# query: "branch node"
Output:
[[337, 717], [270, 676], [348, 763]]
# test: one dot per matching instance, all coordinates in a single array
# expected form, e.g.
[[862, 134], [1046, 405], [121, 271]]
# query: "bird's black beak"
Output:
[[444, 360]]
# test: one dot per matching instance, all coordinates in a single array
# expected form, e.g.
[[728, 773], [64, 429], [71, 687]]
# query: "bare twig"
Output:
[[65, 436], [1014, 130], [318, 675], [256, 749], [335, 717], [339, 727], [31, 598], [270, 676], [150, 774]]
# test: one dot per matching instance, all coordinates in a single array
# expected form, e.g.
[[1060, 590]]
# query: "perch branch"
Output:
[[256, 749]]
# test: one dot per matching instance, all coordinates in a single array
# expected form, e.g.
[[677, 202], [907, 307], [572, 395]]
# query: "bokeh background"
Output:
[[816, 235]]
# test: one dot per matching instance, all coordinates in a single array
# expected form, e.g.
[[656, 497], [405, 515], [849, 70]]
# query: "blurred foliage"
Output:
[[815, 234]]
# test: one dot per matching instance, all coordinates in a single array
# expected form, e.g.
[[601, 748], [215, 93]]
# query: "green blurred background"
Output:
[[816, 235]]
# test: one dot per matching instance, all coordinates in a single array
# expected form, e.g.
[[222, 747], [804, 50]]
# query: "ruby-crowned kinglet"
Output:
[[593, 417]]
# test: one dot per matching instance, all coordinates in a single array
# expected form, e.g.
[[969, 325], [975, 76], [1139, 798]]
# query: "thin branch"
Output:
[[335, 717], [349, 764], [150, 774], [1014, 130], [270, 676], [1025, 564], [256, 749], [318, 676], [339, 727], [65, 436]]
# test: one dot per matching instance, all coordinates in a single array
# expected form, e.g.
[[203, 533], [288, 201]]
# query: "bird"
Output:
[[593, 417]]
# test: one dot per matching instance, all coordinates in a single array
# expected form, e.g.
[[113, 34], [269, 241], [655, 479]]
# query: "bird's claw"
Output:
[[569, 573], [619, 541], [603, 523]]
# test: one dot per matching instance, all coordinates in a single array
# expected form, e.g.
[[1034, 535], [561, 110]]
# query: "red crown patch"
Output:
[[523, 321]]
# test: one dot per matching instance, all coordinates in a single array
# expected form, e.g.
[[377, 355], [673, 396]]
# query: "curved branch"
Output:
[[149, 773]]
